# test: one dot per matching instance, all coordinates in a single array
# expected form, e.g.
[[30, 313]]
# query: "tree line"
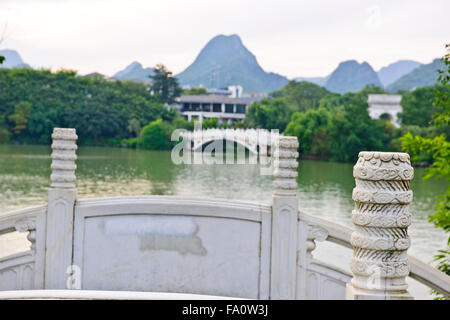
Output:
[[329, 126], [104, 112], [33, 102], [336, 127]]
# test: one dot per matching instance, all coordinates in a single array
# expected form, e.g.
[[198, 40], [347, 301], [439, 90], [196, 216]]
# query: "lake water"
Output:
[[324, 188]]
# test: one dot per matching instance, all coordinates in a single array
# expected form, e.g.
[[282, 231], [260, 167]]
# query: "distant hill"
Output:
[[321, 81], [134, 71], [13, 59], [351, 76], [226, 61], [396, 70], [423, 75], [387, 75]]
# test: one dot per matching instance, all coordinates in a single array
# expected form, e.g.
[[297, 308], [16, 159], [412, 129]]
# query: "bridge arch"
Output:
[[200, 146], [257, 141]]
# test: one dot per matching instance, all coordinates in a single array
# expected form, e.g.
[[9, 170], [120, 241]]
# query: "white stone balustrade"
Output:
[[381, 217], [79, 243]]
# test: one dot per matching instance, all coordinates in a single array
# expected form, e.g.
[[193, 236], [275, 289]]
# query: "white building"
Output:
[[234, 91], [389, 104], [224, 108]]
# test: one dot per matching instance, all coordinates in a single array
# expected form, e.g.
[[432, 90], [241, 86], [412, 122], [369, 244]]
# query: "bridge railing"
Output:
[[324, 230], [24, 270], [218, 247]]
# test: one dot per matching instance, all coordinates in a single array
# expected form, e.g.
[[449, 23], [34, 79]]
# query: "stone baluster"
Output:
[[28, 225], [284, 219], [60, 212], [381, 218], [314, 233]]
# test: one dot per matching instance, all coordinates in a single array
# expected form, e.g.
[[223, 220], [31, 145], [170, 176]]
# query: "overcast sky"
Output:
[[290, 37]]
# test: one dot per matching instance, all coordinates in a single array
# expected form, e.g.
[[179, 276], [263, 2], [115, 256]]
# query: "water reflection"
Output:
[[108, 171], [324, 188]]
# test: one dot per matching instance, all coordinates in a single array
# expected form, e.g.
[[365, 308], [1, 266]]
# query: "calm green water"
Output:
[[324, 188]]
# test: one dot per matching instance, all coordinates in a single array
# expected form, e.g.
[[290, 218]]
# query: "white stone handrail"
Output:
[[336, 233], [103, 295], [154, 201], [420, 271], [18, 220], [429, 276]]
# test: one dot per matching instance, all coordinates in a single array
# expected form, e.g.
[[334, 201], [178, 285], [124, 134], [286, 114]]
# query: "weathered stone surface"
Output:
[[284, 219], [285, 162], [60, 213], [381, 217], [63, 158]]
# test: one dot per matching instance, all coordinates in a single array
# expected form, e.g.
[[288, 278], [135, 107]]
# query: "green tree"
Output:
[[196, 91], [442, 117], [438, 148], [5, 135], [352, 130], [164, 85], [182, 123], [311, 129], [156, 136], [269, 114], [134, 127], [210, 123], [20, 116], [169, 114], [419, 107], [100, 110], [301, 96]]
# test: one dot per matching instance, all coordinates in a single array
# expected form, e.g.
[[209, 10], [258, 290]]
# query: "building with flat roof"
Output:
[[199, 107]]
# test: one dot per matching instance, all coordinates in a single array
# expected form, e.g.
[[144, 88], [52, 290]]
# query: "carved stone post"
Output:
[[60, 212], [284, 219], [381, 217]]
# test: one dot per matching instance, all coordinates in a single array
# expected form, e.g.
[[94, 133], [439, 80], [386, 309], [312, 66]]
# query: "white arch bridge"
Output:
[[257, 141]]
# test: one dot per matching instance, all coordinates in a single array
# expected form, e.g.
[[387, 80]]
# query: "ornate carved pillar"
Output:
[[60, 212], [284, 219], [381, 217]]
